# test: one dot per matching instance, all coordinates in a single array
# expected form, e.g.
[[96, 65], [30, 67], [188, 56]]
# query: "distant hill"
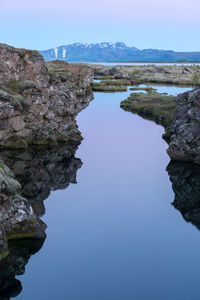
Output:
[[115, 52]]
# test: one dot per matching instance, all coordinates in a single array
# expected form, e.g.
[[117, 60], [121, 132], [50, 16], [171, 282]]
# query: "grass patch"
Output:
[[116, 82], [106, 77], [103, 86], [147, 89], [153, 106]]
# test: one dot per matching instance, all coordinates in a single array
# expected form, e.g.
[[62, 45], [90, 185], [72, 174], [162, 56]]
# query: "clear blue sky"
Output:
[[43, 24]]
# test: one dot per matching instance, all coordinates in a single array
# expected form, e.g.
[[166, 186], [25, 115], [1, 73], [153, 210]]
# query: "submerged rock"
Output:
[[184, 143]]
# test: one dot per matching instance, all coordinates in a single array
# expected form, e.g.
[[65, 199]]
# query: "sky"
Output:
[[44, 24]]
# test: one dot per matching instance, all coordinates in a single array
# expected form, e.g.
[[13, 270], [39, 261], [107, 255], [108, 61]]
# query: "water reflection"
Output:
[[185, 178], [39, 172], [14, 264]]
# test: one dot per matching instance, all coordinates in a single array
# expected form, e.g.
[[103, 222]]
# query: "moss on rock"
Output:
[[153, 106]]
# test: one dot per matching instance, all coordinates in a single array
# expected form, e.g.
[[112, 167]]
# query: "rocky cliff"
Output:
[[39, 102], [38, 106], [184, 142]]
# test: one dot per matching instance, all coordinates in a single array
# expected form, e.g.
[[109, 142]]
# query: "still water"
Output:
[[115, 235]]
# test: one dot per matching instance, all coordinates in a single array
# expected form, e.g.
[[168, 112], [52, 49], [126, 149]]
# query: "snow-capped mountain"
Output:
[[110, 52]]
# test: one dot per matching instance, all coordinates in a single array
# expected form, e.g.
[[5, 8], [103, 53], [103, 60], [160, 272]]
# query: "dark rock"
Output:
[[184, 143]]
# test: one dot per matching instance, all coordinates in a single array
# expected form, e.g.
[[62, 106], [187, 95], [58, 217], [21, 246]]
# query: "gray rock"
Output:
[[184, 142], [39, 102]]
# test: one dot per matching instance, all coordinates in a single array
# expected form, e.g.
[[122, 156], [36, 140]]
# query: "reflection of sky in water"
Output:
[[115, 235]]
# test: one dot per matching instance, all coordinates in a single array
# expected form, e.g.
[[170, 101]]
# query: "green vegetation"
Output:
[[4, 255], [117, 82], [104, 87], [109, 88], [19, 86], [147, 89], [15, 142], [105, 77], [153, 106], [135, 75], [52, 76]]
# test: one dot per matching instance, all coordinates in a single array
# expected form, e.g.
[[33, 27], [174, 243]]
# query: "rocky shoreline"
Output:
[[39, 103], [169, 74], [180, 116]]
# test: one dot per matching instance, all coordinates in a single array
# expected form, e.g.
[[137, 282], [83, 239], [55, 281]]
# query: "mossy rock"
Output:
[[15, 142], [52, 76], [19, 86], [153, 106], [18, 101], [102, 87]]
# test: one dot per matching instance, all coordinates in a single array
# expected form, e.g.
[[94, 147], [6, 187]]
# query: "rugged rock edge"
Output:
[[38, 106], [39, 101], [184, 137]]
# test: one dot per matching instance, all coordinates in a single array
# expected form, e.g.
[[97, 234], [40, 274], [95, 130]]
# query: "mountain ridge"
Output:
[[114, 52]]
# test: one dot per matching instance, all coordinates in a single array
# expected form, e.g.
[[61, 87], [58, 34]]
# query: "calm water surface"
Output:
[[115, 235]]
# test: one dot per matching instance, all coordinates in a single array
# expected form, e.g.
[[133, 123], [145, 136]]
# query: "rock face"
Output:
[[185, 178], [38, 106], [184, 143], [39, 103]]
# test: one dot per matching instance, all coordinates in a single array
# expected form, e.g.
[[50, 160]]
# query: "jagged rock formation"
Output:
[[184, 143], [39, 105], [185, 178]]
